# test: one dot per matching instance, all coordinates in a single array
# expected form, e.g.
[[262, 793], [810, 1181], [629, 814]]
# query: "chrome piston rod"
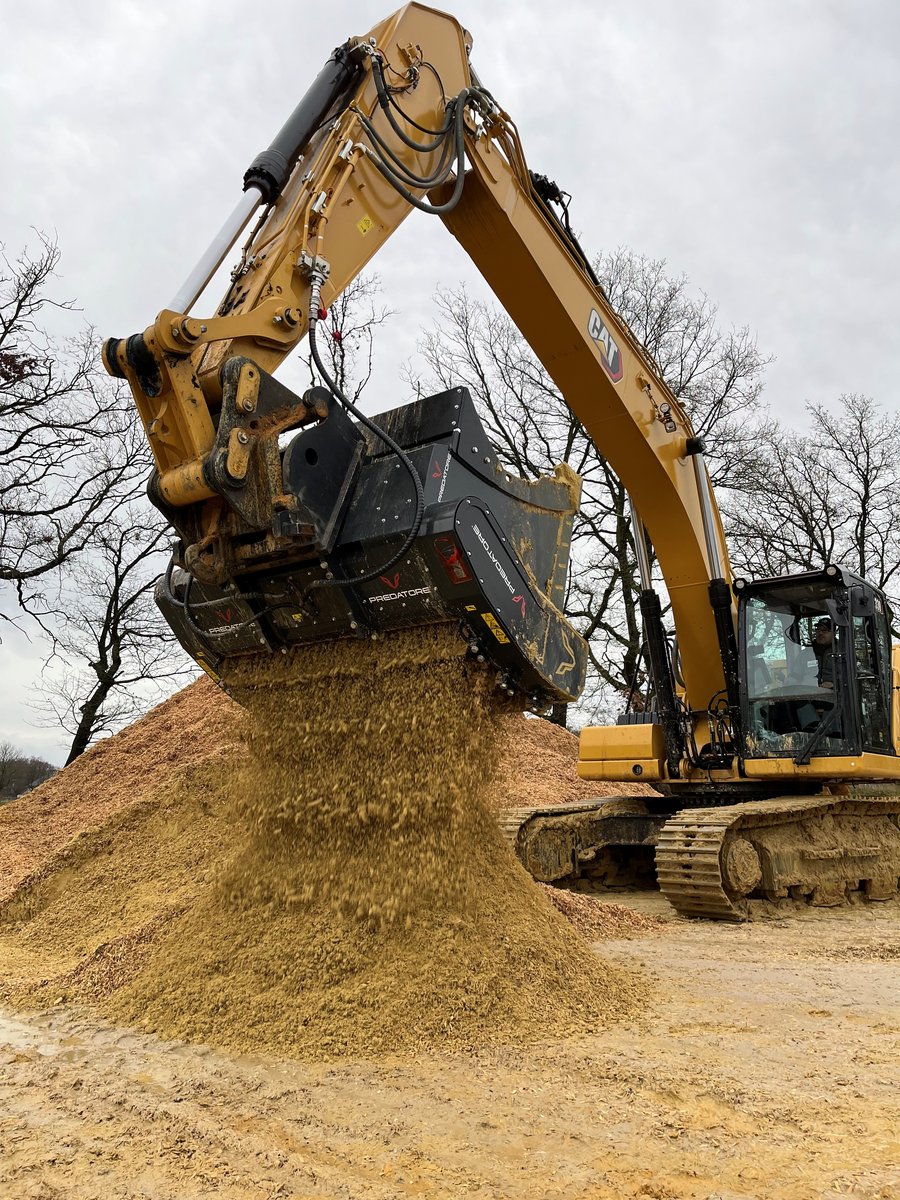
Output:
[[640, 547], [187, 295]]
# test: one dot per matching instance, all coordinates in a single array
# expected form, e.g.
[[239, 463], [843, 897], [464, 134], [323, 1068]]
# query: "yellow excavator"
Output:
[[299, 519]]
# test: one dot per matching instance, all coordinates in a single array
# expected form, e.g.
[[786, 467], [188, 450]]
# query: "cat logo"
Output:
[[610, 355]]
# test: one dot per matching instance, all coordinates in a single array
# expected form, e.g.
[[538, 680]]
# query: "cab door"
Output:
[[870, 639]]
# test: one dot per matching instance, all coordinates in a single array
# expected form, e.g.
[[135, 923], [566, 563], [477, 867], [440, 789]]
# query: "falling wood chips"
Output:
[[323, 877]]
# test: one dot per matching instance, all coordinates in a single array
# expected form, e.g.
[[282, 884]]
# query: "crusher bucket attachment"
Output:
[[491, 554]]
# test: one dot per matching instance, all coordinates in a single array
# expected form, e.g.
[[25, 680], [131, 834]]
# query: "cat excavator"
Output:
[[772, 732]]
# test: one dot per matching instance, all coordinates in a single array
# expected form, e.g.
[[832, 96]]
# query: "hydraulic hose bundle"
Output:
[[449, 142]]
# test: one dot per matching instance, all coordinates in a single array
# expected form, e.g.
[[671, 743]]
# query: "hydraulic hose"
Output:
[[386, 101], [403, 171], [459, 146], [388, 441]]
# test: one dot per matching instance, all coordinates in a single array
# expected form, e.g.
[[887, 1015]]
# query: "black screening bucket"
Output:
[[491, 554]]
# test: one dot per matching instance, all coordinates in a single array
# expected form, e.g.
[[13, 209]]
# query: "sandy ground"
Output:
[[767, 1066]]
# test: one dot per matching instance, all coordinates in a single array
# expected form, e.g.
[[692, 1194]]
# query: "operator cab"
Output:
[[815, 666]]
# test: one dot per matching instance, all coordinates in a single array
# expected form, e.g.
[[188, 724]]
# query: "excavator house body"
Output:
[[491, 555]]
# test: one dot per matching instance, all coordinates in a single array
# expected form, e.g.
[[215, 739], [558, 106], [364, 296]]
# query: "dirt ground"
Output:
[[767, 1066]]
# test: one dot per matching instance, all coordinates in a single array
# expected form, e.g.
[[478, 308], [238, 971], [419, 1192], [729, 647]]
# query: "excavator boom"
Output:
[[395, 120]]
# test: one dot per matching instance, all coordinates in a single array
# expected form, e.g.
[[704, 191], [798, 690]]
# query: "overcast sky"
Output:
[[753, 144]]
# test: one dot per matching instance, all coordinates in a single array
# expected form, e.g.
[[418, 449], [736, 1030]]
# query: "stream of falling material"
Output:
[[372, 906]]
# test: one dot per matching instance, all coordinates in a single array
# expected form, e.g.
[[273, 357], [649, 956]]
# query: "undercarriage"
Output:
[[729, 862]]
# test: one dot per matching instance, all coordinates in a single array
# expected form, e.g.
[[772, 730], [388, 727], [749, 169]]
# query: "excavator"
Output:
[[772, 736]]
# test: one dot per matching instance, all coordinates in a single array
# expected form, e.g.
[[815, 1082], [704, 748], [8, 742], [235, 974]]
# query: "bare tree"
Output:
[[8, 756], [716, 373], [349, 335], [61, 425], [111, 652], [830, 495], [79, 542]]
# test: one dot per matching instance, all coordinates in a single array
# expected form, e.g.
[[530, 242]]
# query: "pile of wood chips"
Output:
[[325, 883]]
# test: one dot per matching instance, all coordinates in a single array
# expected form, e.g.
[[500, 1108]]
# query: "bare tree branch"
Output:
[[827, 496], [62, 424]]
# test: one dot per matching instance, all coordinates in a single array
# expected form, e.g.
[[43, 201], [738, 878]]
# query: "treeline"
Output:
[[19, 773]]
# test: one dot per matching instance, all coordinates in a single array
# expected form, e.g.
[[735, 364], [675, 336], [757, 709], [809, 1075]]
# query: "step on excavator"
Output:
[[773, 735]]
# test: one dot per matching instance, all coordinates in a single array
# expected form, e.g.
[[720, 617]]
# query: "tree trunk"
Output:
[[89, 712]]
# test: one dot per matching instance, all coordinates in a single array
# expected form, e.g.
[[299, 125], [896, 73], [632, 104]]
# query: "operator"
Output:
[[823, 648]]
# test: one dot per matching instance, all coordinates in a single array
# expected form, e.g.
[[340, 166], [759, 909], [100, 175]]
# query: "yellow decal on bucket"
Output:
[[494, 626]]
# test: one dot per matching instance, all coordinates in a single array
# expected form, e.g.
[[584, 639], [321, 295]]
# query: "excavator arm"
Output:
[[320, 209], [396, 120]]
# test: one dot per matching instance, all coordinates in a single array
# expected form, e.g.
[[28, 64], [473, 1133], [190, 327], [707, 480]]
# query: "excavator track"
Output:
[[561, 842], [513, 820], [714, 862]]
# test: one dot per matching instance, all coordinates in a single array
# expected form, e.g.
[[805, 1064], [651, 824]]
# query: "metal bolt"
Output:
[[204, 329], [243, 438], [474, 449], [487, 458], [247, 405], [324, 565]]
